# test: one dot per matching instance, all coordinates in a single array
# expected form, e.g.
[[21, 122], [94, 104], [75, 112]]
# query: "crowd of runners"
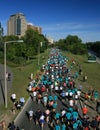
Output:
[[57, 84]]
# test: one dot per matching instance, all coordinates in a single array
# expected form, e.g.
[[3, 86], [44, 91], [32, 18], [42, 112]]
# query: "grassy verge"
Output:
[[20, 83], [92, 70]]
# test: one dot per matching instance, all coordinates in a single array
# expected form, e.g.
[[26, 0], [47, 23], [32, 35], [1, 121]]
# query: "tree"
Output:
[[72, 44], [73, 39], [20, 52], [10, 38]]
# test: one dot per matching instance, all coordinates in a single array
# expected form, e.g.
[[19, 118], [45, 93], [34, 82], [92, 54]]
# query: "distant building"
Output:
[[36, 28], [50, 40], [17, 25]]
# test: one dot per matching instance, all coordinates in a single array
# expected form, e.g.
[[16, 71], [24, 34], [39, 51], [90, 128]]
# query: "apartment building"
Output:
[[36, 28], [17, 25]]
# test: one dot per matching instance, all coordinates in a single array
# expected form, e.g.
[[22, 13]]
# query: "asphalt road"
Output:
[[92, 53], [22, 120]]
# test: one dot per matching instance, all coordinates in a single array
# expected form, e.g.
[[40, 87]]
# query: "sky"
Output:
[[58, 18]]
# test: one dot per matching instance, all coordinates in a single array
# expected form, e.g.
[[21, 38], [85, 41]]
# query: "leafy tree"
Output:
[[72, 44], [94, 46], [73, 39], [10, 38], [23, 51]]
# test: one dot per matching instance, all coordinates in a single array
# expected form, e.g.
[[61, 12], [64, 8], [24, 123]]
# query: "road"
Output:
[[22, 120], [92, 53], [26, 123]]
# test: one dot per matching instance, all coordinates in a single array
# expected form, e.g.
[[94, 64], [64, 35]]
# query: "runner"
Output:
[[30, 113], [42, 120]]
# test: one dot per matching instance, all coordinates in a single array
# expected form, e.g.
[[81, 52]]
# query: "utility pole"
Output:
[[1, 33]]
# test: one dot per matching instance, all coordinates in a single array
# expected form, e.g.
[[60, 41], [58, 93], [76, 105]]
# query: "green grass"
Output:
[[92, 70], [20, 82], [22, 74]]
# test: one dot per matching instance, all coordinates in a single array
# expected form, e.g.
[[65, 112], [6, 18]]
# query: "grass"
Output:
[[21, 80], [20, 83], [92, 70]]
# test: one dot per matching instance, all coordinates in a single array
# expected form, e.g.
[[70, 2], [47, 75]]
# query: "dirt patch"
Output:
[[8, 117]]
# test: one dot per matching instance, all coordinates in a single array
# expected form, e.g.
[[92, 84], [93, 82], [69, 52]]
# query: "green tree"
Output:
[[72, 44], [10, 38]]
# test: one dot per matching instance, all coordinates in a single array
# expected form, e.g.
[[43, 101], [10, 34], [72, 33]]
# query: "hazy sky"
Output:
[[58, 18]]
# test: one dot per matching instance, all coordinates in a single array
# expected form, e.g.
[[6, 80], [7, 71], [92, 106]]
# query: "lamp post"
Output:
[[39, 54], [5, 72], [39, 46]]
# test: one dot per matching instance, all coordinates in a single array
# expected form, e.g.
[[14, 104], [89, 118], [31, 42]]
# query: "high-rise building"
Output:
[[17, 25]]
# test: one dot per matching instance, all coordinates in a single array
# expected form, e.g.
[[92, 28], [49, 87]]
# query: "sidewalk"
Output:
[[9, 83]]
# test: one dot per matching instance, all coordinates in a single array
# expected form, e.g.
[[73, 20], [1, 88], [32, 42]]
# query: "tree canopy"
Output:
[[21, 52], [73, 44]]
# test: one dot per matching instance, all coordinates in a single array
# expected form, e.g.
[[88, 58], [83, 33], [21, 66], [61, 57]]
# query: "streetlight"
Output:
[[5, 73], [39, 46]]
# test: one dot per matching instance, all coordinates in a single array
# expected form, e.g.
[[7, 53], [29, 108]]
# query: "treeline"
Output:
[[73, 44], [19, 53], [94, 46]]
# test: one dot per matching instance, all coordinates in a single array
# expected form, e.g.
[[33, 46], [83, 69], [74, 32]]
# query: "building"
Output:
[[17, 25], [50, 40], [36, 28]]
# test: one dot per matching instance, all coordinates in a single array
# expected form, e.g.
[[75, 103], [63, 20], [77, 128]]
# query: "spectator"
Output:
[[18, 105], [9, 76], [22, 101], [85, 78], [31, 76], [12, 126], [13, 97], [13, 108]]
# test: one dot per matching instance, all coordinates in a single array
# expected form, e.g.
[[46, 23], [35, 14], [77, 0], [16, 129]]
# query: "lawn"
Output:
[[20, 83], [92, 70]]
